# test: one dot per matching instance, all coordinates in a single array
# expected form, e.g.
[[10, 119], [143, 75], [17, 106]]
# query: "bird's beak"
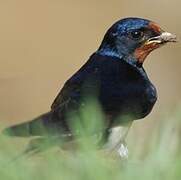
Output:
[[153, 43], [162, 39]]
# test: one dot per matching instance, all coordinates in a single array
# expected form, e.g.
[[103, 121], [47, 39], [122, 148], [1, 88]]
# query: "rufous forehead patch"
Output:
[[155, 27]]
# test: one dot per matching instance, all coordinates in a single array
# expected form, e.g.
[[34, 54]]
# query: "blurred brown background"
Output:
[[43, 42]]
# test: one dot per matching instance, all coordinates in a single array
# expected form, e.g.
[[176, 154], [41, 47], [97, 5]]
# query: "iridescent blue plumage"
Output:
[[116, 42], [128, 24]]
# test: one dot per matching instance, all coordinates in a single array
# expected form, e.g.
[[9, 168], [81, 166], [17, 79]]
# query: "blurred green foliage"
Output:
[[159, 158]]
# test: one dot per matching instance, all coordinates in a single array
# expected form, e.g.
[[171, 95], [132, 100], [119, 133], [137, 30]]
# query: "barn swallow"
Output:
[[113, 75]]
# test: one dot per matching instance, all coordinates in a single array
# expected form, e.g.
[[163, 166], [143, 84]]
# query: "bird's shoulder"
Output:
[[72, 87]]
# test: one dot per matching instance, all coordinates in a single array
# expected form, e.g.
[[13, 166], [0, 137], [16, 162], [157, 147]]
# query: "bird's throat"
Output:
[[142, 52]]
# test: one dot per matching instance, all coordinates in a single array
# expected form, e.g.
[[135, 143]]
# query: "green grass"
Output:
[[159, 158]]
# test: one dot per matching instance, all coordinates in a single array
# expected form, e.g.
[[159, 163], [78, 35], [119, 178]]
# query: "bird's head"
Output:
[[133, 39]]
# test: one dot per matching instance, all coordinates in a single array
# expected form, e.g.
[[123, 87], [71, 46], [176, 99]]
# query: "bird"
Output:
[[115, 77]]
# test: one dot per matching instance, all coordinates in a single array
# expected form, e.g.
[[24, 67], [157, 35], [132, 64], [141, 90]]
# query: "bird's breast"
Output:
[[128, 98], [148, 100]]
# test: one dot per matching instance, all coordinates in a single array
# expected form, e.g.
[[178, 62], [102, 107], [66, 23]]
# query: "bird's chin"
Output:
[[142, 52]]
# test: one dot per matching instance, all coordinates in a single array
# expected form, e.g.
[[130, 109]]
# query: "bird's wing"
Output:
[[50, 123], [72, 91], [54, 122], [69, 93]]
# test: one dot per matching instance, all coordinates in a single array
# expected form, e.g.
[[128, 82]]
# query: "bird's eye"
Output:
[[137, 34]]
